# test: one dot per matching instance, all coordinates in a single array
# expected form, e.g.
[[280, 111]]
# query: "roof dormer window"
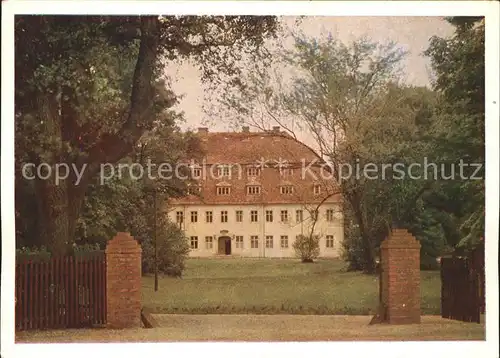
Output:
[[253, 172], [286, 189], [317, 189], [196, 171], [194, 189], [253, 189], [286, 172], [223, 188], [224, 171]]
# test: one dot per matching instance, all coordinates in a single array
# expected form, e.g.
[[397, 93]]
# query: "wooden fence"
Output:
[[462, 289], [66, 292]]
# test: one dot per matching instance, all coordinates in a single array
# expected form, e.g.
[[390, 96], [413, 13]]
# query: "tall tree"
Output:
[[87, 88], [458, 64], [349, 100]]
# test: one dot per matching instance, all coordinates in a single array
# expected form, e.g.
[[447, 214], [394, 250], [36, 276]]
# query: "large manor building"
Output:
[[255, 192]]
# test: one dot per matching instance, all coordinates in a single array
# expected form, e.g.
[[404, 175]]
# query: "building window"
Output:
[[329, 215], [314, 214], [194, 242], [329, 241], [254, 242], [253, 172], [284, 216], [254, 217], [253, 189], [224, 171], [223, 216], [269, 242], [317, 189], [287, 172], [179, 217], [209, 242], [269, 216], [284, 242], [196, 173], [194, 190], [239, 242], [299, 216], [223, 190], [194, 216], [286, 189], [239, 216], [209, 216]]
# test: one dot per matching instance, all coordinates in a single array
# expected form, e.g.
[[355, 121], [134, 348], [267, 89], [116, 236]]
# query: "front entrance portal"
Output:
[[224, 247]]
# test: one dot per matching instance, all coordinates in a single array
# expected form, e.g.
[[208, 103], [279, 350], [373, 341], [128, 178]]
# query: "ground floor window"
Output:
[[209, 242], [284, 242], [194, 242], [269, 242], [329, 241], [254, 242], [239, 242]]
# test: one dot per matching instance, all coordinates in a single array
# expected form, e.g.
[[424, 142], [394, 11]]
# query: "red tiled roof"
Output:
[[245, 149]]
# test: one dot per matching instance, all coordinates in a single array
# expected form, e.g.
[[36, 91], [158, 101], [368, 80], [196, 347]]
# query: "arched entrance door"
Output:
[[224, 245]]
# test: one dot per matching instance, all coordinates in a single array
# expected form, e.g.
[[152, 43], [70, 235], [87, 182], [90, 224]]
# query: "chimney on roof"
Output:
[[276, 129], [245, 129], [203, 130]]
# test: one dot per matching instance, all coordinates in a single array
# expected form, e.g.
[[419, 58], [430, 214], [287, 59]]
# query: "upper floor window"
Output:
[[299, 216], [209, 217], [253, 189], [286, 189], [223, 190], [254, 217], [179, 217], [329, 215], [239, 216], [194, 216], [253, 172], [314, 214], [317, 189], [284, 216], [223, 216], [269, 216]]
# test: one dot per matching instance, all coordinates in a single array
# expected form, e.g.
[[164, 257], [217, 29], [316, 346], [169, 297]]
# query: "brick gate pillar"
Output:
[[400, 286], [123, 286]]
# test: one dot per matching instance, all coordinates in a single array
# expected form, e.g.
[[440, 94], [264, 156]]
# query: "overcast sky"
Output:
[[412, 33]]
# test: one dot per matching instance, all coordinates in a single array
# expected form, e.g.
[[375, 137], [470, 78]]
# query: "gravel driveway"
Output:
[[267, 328]]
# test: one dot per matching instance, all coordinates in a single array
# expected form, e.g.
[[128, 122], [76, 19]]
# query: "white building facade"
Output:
[[254, 197]]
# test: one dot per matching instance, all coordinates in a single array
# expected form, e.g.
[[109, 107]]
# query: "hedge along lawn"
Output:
[[270, 286]]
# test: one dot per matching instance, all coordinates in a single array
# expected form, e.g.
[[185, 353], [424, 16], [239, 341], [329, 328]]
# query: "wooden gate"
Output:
[[66, 292], [461, 290]]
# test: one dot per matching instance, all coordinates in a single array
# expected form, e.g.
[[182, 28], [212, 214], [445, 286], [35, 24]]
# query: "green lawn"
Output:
[[274, 286]]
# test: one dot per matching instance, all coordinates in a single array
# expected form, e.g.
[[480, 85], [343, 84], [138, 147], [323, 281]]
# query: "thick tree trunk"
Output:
[[368, 249], [369, 253], [59, 206], [53, 216]]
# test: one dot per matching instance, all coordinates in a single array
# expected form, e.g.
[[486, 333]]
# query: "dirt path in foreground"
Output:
[[267, 328]]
